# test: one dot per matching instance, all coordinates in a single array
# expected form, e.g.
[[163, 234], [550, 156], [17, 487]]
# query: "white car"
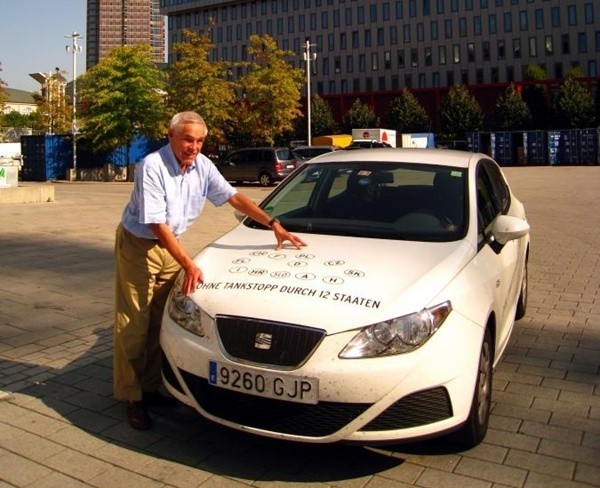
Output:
[[385, 328]]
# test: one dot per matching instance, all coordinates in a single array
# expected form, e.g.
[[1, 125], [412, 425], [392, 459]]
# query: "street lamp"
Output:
[[308, 57], [74, 49]]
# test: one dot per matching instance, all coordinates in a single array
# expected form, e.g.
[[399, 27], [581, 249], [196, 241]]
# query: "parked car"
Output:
[[263, 164], [385, 328], [366, 143], [306, 153]]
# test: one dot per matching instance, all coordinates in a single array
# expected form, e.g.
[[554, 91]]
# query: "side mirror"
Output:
[[507, 228]]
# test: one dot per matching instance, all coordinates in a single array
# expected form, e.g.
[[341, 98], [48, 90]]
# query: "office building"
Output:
[[115, 23]]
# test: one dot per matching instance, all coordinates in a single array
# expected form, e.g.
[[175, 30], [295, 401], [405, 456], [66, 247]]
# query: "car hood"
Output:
[[335, 283]]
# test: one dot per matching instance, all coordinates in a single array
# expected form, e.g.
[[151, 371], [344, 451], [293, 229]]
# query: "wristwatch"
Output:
[[272, 222]]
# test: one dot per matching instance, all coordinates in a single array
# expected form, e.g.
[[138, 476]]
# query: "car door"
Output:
[[500, 263], [235, 164]]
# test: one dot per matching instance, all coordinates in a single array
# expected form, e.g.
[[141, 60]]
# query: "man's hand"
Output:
[[193, 276], [283, 235]]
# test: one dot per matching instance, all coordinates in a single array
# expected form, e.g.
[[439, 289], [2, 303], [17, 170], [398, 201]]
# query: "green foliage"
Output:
[[121, 98], [270, 93], [201, 86], [54, 115], [460, 113], [20, 121], [573, 106], [511, 112], [3, 95], [359, 116], [321, 120], [406, 114], [534, 72]]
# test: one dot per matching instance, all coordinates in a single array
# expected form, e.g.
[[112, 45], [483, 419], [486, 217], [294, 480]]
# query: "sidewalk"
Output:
[[59, 425]]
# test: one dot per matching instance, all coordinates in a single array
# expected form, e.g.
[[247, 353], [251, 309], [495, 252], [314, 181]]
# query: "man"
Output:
[[170, 189]]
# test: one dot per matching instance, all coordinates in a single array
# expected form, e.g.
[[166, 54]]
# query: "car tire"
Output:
[[265, 179], [474, 429], [522, 300]]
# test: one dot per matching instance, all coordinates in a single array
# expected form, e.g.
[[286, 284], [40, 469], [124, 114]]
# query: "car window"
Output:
[[283, 154], [501, 193], [487, 208], [388, 201], [237, 157]]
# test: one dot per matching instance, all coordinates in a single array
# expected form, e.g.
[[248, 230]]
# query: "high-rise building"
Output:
[[115, 23], [384, 45]]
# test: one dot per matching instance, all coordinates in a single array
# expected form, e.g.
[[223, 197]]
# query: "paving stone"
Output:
[[433, 478], [543, 430], [541, 464], [580, 454], [497, 473]]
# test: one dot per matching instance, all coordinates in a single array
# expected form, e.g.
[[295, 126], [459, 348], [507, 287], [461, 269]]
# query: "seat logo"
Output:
[[263, 340]]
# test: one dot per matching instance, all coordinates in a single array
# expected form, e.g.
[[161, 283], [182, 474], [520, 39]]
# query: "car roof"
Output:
[[442, 157]]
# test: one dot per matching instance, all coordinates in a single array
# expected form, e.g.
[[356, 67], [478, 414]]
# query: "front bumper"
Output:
[[403, 397]]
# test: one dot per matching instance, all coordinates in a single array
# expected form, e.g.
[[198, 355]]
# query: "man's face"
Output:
[[186, 142]]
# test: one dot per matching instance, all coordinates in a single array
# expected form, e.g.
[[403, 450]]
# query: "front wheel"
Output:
[[265, 179], [474, 429]]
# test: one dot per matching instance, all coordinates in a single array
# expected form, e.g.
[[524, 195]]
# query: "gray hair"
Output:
[[183, 118]]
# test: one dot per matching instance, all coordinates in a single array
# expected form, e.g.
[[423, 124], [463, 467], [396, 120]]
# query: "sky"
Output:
[[32, 39]]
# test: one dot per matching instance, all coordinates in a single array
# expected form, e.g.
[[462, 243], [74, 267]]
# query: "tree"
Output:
[[20, 121], [3, 94], [511, 112], [460, 113], [534, 95], [199, 85], [359, 116], [270, 92], [321, 120], [573, 106], [121, 98], [406, 115]]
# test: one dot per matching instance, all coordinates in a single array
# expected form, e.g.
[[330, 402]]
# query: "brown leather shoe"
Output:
[[137, 416]]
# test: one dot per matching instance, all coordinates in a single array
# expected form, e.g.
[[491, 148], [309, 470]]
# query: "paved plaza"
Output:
[[60, 426]]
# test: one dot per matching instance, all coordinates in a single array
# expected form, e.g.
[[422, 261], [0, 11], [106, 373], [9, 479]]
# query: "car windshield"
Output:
[[377, 200]]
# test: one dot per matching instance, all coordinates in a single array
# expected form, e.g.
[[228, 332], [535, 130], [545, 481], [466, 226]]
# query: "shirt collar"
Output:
[[174, 164]]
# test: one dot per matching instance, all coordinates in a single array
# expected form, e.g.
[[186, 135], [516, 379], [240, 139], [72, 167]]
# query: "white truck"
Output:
[[380, 135]]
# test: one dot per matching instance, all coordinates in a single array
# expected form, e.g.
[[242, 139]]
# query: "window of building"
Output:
[[406, 32], [395, 82], [356, 85], [479, 76], [367, 37], [471, 52], [331, 86], [485, 50], [597, 36], [501, 49], [393, 34], [592, 68], [456, 54], [507, 22], [414, 57], [582, 43], [373, 13], [450, 78], [510, 74], [325, 66], [349, 63], [588, 12], [420, 32], [401, 62], [360, 14], [532, 47], [355, 41], [422, 80], [549, 45], [558, 70], [454, 5], [517, 48], [337, 65], [435, 78], [399, 8], [408, 81], [462, 27], [331, 42], [313, 21], [565, 43], [440, 6], [494, 75], [539, 18], [523, 22], [464, 76], [238, 32], [555, 16], [343, 40], [291, 24], [279, 27], [385, 12], [348, 17], [572, 14], [426, 7], [381, 85], [442, 54], [433, 30], [468, 4], [387, 59], [412, 8], [369, 84], [362, 63], [325, 19], [492, 25], [428, 56], [448, 28], [344, 85], [301, 23], [477, 25], [336, 19]]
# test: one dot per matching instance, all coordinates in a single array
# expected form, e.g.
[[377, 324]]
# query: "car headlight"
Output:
[[397, 336], [183, 310]]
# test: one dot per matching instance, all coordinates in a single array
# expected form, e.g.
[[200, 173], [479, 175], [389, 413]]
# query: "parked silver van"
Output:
[[263, 164]]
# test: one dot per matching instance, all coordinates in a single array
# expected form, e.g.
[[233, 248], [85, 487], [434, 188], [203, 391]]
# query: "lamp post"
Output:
[[308, 57], [74, 49]]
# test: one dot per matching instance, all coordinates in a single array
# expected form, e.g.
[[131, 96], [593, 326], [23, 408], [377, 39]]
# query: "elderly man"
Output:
[[170, 189]]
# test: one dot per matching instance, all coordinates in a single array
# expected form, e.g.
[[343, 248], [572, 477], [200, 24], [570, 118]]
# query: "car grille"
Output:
[[267, 343], [421, 408], [319, 420]]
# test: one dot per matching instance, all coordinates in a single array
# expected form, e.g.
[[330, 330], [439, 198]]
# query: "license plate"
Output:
[[289, 166], [264, 384]]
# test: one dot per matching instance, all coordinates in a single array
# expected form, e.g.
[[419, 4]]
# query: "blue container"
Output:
[[535, 147], [46, 157], [588, 146], [563, 146], [503, 149]]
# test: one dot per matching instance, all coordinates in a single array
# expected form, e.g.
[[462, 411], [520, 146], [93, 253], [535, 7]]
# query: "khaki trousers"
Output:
[[144, 273]]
